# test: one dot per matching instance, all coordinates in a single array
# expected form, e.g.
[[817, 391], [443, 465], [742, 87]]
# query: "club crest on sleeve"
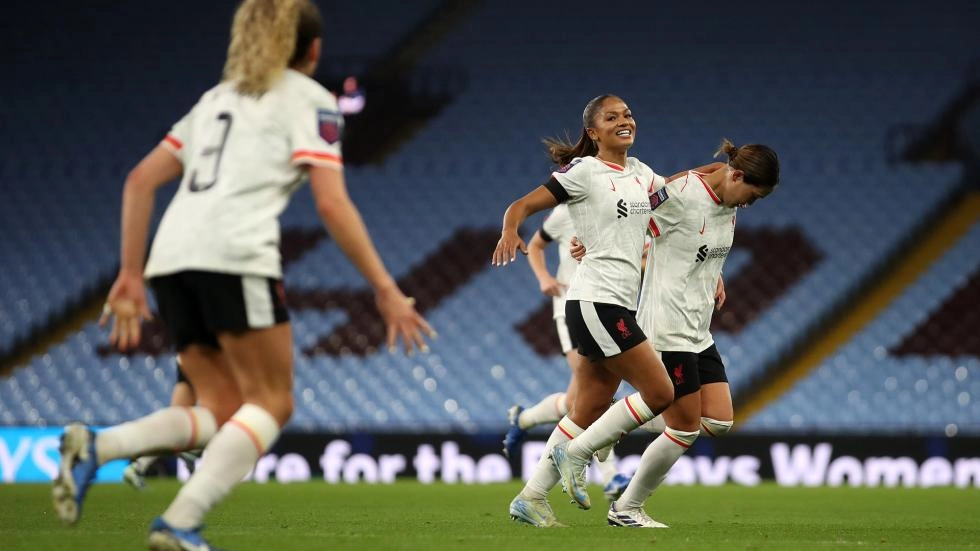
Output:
[[569, 166], [329, 123], [658, 198]]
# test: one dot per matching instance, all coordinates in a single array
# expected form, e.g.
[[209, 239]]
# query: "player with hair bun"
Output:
[[693, 228]]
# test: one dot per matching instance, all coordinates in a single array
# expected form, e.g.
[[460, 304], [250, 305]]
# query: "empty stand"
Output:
[[815, 82]]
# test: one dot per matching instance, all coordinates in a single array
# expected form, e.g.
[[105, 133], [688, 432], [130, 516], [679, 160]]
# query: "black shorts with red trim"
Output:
[[197, 306], [690, 370], [602, 330]]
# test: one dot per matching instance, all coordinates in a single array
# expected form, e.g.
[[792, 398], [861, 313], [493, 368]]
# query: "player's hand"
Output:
[[402, 321], [126, 306], [577, 249], [552, 287], [720, 293], [507, 248]]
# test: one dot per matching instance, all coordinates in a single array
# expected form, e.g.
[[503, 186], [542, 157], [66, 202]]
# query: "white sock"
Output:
[[607, 468], [550, 409], [163, 431], [714, 427], [656, 461], [655, 425], [227, 459], [621, 418], [545, 475]]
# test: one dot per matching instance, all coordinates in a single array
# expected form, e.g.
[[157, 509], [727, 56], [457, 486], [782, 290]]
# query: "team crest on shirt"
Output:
[[328, 123], [569, 166], [658, 198]]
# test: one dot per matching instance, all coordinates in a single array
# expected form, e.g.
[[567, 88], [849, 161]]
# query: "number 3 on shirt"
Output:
[[214, 150]]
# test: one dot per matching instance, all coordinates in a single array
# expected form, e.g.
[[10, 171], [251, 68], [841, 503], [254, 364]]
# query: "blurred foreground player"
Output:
[[215, 269]]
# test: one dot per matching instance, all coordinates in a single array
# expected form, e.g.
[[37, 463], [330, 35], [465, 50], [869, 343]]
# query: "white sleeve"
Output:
[[178, 138], [315, 130], [556, 221], [656, 182], [574, 179], [667, 207]]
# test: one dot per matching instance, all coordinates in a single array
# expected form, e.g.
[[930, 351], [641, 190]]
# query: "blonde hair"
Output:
[[263, 39]]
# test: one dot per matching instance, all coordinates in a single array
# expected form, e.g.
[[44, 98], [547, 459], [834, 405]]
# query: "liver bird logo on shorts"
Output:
[[679, 375], [623, 330]]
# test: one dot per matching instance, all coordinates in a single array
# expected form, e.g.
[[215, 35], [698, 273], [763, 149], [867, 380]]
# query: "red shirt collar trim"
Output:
[[707, 188], [613, 166]]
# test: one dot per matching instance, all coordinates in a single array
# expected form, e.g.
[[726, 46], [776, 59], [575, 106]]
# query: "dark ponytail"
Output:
[[563, 151]]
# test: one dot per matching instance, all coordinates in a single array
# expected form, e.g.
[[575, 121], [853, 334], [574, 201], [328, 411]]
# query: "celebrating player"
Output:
[[557, 228], [215, 267], [694, 227], [608, 199]]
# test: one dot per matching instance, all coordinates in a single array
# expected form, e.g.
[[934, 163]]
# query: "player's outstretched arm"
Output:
[[346, 227], [518, 211]]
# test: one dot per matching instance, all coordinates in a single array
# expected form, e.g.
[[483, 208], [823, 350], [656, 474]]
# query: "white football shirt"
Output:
[[558, 225], [693, 234], [610, 208], [243, 158]]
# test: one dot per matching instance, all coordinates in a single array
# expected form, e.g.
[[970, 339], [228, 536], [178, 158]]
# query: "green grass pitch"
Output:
[[409, 515]]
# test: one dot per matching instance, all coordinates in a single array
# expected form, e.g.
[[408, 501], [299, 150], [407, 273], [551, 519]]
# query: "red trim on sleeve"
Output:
[[174, 142], [654, 228], [707, 188]]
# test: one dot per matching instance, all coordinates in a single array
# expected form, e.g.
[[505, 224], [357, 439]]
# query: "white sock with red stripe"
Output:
[[545, 475], [656, 461], [621, 418], [548, 410], [655, 425], [227, 459], [163, 431]]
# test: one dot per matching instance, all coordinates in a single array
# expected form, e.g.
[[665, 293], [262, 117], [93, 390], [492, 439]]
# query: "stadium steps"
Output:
[[428, 33], [46, 337], [403, 99], [914, 261]]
